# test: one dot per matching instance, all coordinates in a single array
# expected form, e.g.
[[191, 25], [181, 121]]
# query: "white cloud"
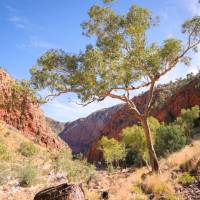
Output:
[[193, 6], [35, 42], [17, 20]]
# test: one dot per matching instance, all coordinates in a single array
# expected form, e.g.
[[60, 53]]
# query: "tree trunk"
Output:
[[152, 154]]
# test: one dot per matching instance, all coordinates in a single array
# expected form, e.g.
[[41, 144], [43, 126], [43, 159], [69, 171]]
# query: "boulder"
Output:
[[61, 192]]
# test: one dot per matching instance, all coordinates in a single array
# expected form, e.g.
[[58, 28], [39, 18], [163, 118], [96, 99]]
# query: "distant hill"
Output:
[[56, 126], [82, 135]]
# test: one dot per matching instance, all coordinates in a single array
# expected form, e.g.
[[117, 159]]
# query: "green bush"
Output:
[[186, 179], [113, 150], [135, 142], [62, 160], [28, 149], [28, 175], [168, 138], [186, 120], [75, 170]]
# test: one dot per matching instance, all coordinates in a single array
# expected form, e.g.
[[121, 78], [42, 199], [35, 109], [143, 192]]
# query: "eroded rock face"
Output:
[[82, 132], [82, 135], [24, 114]]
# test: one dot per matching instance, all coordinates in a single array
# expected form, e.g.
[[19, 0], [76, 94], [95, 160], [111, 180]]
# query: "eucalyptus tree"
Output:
[[121, 61]]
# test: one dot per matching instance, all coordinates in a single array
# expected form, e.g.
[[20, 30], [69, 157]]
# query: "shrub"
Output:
[[168, 138], [28, 149], [186, 120], [75, 170], [157, 185], [28, 175], [113, 151], [62, 160], [4, 154], [186, 179], [138, 192], [91, 195], [134, 139], [4, 172]]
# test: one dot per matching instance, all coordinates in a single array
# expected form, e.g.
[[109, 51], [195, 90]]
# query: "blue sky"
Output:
[[30, 27]]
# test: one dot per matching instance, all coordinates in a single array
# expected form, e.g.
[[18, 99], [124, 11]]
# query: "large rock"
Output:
[[61, 192]]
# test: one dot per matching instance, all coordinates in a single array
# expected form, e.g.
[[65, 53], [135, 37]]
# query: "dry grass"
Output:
[[91, 195], [189, 153], [158, 184]]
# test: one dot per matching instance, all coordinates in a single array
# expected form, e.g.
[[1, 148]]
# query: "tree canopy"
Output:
[[121, 61], [122, 58]]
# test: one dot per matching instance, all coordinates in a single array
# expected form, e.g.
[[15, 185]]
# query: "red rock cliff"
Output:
[[24, 114]]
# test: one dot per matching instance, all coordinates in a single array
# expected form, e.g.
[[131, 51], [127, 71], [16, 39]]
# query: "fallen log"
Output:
[[61, 192]]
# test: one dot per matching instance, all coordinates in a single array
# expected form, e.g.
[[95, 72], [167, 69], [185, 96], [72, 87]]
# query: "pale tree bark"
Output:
[[152, 154]]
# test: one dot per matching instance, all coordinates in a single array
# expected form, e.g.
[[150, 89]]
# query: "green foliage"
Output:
[[75, 170], [186, 179], [186, 120], [28, 175], [169, 138], [134, 139], [62, 159], [120, 58], [28, 149], [113, 151]]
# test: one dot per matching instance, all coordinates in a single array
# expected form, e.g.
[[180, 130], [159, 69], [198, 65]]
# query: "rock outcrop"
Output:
[[56, 126], [82, 135], [64, 192], [19, 110]]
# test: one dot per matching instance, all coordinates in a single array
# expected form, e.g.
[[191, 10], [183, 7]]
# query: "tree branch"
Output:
[[150, 98]]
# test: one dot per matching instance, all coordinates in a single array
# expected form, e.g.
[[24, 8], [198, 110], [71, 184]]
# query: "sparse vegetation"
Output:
[[157, 185], [75, 170], [28, 149], [186, 178], [4, 153], [28, 175]]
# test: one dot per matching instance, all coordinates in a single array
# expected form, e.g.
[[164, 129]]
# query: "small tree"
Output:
[[169, 138], [186, 120], [134, 139], [121, 62], [113, 151]]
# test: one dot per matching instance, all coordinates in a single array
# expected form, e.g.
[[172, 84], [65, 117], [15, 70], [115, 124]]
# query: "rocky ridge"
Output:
[[23, 113]]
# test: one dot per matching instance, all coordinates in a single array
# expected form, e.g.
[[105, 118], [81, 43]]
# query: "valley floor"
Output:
[[126, 184]]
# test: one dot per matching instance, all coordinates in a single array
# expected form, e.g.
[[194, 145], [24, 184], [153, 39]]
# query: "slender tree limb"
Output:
[[149, 98]]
